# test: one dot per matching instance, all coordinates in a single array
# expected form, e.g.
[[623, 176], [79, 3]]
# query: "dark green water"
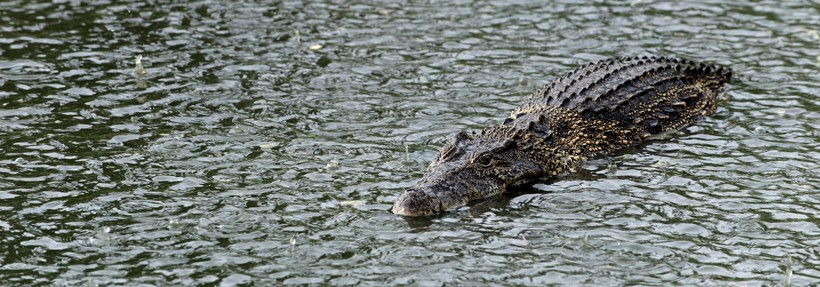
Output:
[[234, 161]]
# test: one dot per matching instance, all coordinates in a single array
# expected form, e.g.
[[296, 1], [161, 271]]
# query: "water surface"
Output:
[[266, 142]]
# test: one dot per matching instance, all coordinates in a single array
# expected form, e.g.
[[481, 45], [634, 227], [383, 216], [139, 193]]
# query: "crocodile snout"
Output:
[[415, 202]]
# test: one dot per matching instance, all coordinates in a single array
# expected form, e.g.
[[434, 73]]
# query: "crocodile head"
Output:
[[470, 167]]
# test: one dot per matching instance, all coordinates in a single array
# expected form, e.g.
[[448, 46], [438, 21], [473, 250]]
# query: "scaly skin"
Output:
[[592, 111]]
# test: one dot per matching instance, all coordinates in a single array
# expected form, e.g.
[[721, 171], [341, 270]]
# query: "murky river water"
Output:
[[266, 142]]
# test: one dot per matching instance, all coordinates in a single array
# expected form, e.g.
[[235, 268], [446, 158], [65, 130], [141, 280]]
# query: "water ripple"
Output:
[[265, 144]]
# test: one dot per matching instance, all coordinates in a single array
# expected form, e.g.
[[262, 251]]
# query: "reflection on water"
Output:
[[265, 142]]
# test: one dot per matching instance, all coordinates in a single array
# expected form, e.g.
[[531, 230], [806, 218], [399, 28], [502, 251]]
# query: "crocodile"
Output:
[[594, 110]]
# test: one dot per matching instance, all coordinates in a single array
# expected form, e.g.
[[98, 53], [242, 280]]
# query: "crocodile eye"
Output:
[[485, 159]]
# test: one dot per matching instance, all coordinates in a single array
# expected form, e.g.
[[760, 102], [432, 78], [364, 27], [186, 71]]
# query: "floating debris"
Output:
[[315, 47]]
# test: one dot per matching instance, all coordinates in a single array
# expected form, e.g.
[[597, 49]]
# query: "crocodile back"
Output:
[[652, 95]]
